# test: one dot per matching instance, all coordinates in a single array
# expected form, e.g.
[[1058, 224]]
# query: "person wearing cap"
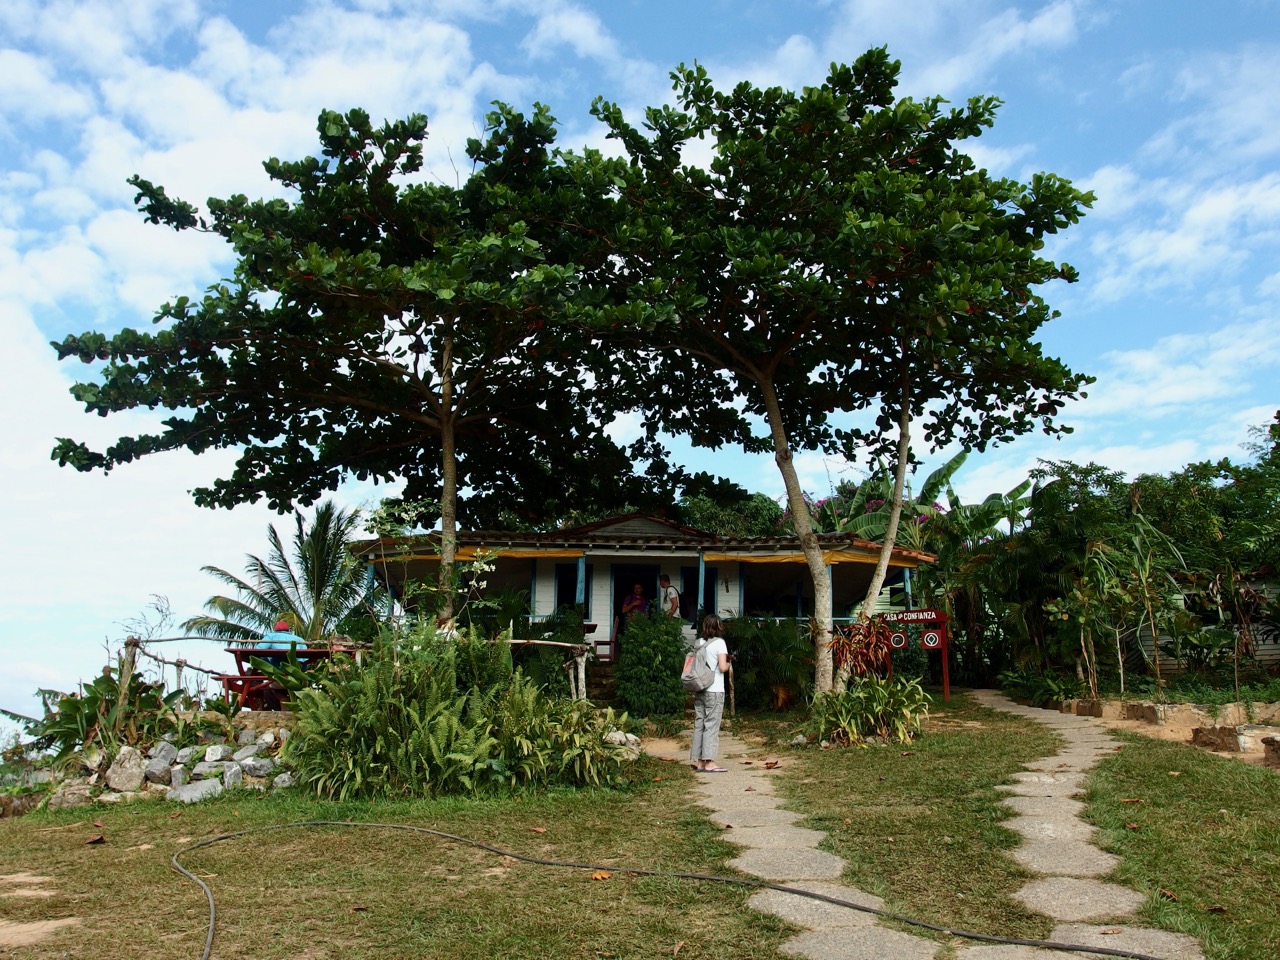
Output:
[[279, 638]]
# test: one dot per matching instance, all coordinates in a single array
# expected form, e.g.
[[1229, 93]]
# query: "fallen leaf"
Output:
[[727, 826], [175, 816], [1216, 908], [908, 753], [667, 759], [358, 909], [890, 839], [1131, 826], [601, 875], [657, 779], [1175, 773], [98, 824], [676, 948], [770, 764], [746, 763], [181, 839], [1121, 747], [1168, 895], [98, 838], [748, 789], [538, 829], [509, 861], [141, 846], [1132, 800], [1112, 930]]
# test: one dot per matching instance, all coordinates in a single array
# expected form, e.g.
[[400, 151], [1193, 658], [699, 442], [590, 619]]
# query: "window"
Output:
[[567, 588]]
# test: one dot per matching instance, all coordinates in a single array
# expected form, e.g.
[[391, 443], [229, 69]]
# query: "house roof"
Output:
[[642, 533]]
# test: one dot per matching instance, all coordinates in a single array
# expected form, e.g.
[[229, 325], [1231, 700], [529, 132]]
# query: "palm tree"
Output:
[[313, 592]]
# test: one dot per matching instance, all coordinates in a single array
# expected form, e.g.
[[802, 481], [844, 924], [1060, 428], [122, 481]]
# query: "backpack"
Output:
[[698, 675]]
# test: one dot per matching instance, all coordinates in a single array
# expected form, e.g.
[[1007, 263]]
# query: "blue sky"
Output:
[[1170, 112]]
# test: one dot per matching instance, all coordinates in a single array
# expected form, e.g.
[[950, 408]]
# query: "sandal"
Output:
[[713, 770]]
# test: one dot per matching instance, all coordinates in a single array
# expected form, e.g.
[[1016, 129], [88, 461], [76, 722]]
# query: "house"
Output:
[[596, 565]]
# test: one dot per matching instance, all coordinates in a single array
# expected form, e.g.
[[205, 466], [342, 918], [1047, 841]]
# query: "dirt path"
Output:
[[14, 934]]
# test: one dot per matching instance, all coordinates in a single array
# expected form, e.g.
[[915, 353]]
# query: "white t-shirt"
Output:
[[711, 652], [670, 595]]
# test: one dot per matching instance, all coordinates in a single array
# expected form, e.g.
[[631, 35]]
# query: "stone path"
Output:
[[1058, 848]]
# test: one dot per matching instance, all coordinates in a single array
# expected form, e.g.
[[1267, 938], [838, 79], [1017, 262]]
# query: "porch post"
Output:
[[906, 587], [702, 590], [580, 592], [533, 587], [831, 597]]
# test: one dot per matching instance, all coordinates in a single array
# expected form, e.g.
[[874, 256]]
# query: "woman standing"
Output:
[[708, 704]]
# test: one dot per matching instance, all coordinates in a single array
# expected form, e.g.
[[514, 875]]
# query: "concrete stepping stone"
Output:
[[873, 943], [1041, 789], [1154, 943], [718, 785], [1051, 828], [783, 863], [1012, 951], [1072, 899], [1037, 776], [1056, 857], [1063, 807], [779, 835], [817, 914], [748, 817]]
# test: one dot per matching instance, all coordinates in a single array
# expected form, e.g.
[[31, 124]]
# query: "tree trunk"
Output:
[[895, 511], [803, 523], [891, 529], [449, 485]]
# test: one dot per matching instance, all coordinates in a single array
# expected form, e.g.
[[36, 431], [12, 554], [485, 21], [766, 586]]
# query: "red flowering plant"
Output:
[[862, 647]]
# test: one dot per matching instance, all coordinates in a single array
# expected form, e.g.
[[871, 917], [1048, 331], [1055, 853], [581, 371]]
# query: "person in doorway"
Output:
[[669, 597], [281, 637], [708, 704], [635, 603]]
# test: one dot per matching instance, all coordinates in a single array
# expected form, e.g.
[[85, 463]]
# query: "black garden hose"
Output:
[[638, 871]]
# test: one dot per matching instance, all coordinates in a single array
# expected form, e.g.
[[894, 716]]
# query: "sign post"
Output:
[[935, 637]]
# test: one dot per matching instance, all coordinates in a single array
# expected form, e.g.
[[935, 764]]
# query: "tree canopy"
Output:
[[839, 270]]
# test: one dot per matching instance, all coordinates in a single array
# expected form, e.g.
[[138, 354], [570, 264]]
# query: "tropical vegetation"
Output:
[[313, 586]]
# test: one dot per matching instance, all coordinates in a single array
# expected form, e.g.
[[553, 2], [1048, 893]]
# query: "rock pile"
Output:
[[186, 774]]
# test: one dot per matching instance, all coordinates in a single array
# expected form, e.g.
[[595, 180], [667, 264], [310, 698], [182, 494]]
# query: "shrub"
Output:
[[649, 665], [1040, 689], [772, 661], [409, 722], [869, 706]]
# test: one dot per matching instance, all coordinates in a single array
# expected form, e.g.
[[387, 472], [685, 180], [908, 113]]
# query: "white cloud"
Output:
[[28, 89], [947, 47], [1184, 373], [1194, 233], [566, 25]]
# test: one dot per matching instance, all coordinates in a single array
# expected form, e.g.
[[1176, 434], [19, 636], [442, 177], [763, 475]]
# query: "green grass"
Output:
[[920, 825], [1203, 829], [362, 893]]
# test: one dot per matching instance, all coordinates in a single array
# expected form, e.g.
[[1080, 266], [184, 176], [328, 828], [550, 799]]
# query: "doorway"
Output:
[[625, 577]]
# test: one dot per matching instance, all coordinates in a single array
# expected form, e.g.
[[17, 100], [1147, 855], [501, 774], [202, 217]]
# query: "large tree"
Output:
[[839, 255], [383, 325]]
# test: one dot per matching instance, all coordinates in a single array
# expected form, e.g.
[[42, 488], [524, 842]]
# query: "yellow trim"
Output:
[[466, 554], [829, 557]]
